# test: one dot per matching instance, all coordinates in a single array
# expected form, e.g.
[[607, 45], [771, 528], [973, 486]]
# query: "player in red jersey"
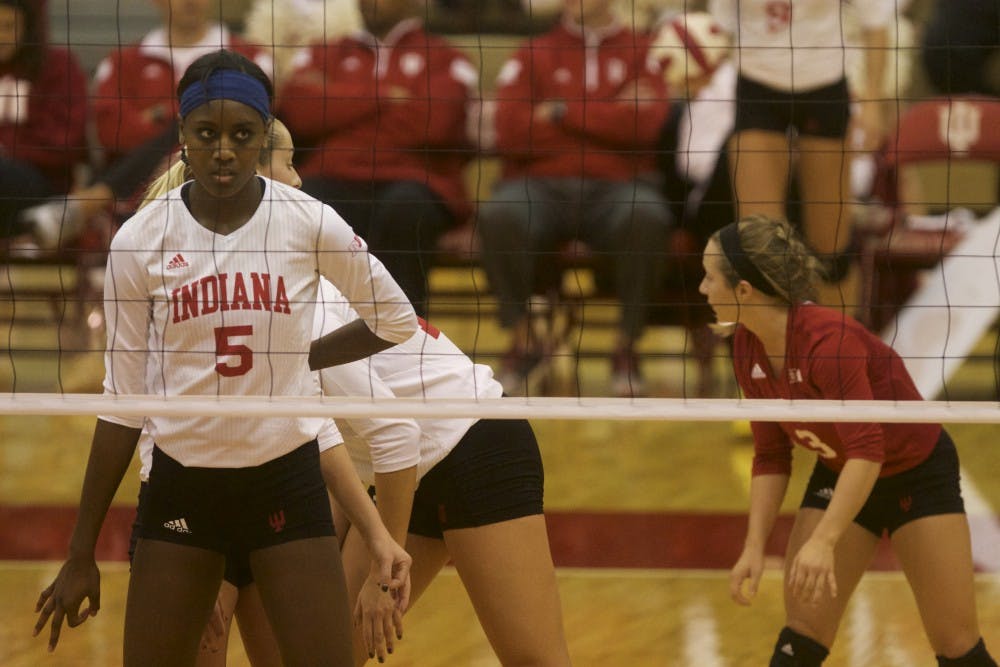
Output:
[[869, 478]]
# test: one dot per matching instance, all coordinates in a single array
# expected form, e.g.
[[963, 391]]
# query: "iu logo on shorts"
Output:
[[277, 521], [905, 503]]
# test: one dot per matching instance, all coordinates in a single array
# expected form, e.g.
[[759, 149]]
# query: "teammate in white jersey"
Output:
[[793, 115], [210, 292], [462, 490]]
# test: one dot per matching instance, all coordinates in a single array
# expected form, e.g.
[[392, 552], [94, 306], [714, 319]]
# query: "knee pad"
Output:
[[795, 650], [977, 657]]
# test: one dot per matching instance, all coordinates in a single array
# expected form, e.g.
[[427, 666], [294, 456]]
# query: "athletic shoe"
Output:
[[516, 370], [54, 221], [626, 380]]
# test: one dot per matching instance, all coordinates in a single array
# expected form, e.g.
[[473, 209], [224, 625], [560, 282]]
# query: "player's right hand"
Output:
[[745, 577], [78, 579]]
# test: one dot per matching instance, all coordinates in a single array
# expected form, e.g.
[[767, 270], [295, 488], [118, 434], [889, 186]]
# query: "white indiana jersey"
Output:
[[795, 44], [191, 312], [428, 365]]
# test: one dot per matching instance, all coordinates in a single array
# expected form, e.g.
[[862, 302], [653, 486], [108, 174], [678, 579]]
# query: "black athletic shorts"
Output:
[[236, 510], [822, 112], [237, 564], [928, 489], [493, 474]]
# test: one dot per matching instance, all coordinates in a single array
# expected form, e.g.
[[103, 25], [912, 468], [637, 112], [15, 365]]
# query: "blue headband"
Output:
[[729, 239], [227, 84]]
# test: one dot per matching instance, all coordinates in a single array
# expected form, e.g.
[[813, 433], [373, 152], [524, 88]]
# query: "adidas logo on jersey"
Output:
[[178, 262], [826, 493], [788, 650], [177, 525], [757, 373]]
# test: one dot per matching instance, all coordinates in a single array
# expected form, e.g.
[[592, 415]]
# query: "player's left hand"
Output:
[[384, 597], [378, 617], [212, 638], [812, 573]]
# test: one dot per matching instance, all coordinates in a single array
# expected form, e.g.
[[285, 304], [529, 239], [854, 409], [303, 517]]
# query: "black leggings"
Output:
[[21, 186]]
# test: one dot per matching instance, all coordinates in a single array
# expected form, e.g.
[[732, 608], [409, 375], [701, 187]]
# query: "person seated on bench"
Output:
[[43, 117], [579, 110], [381, 116]]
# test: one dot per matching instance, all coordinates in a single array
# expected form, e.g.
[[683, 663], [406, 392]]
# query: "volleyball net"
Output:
[[922, 208]]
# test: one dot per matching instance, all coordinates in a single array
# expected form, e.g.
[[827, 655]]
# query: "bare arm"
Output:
[[383, 596], [110, 454], [812, 570], [873, 107], [766, 494], [390, 564], [348, 343]]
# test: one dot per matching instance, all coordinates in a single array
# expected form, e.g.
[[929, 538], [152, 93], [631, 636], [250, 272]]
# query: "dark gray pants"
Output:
[[627, 223]]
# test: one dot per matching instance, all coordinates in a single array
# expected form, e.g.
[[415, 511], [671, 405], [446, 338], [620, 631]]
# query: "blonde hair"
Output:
[[779, 254], [178, 173], [174, 177]]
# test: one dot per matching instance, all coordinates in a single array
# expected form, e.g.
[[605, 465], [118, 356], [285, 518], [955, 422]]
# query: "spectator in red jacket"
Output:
[[381, 116], [43, 94], [579, 111], [135, 111]]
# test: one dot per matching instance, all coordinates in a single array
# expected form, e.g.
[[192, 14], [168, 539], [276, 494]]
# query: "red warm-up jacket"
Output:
[[385, 110], [43, 120], [615, 103], [133, 81]]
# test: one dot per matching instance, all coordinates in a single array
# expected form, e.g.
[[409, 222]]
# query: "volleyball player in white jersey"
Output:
[[209, 292], [237, 598], [793, 112], [465, 490]]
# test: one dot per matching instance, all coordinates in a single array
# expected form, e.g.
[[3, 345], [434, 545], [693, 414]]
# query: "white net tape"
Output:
[[647, 409]]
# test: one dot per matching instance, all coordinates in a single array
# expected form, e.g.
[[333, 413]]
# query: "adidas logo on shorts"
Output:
[[178, 525]]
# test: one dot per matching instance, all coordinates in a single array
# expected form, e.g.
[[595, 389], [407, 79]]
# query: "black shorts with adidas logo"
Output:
[[235, 510], [927, 489], [237, 571]]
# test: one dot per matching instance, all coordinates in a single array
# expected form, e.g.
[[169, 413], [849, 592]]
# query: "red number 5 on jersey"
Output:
[[224, 347]]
